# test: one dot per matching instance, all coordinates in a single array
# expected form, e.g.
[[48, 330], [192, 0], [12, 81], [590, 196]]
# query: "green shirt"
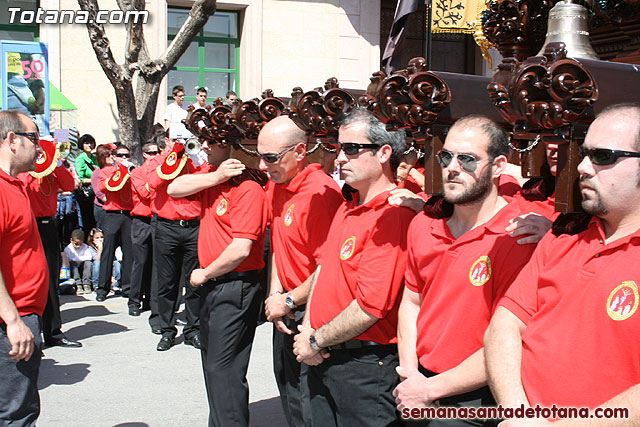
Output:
[[85, 165]]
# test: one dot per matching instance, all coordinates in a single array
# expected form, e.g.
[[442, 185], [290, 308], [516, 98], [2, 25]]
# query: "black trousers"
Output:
[[175, 250], [19, 399], [117, 232], [154, 317], [51, 320], [355, 388], [291, 375], [86, 211], [141, 266], [229, 317], [475, 398]]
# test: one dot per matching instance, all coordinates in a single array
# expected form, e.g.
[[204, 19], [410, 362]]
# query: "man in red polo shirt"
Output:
[[23, 275], [354, 303], [43, 195], [567, 332], [304, 200], [230, 243], [458, 269]]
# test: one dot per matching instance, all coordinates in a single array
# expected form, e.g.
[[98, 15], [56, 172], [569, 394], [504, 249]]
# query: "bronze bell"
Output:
[[568, 23]]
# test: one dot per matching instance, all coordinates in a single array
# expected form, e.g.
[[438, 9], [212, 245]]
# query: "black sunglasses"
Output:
[[152, 153], [274, 157], [33, 136], [605, 156], [468, 162], [122, 155], [352, 148]]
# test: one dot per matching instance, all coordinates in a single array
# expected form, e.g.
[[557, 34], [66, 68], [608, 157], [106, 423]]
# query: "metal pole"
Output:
[[429, 40]]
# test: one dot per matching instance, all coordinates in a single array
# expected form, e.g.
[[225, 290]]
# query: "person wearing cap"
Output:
[[460, 264], [567, 331], [349, 335], [230, 244], [141, 238], [43, 194], [114, 182], [303, 200], [175, 246], [23, 274]]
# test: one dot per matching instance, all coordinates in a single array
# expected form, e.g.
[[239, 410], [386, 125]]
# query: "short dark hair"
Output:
[[230, 92], [10, 120], [176, 89], [158, 138], [634, 108], [148, 145], [102, 152], [120, 146], [77, 234], [87, 139], [202, 89], [498, 138], [377, 133]]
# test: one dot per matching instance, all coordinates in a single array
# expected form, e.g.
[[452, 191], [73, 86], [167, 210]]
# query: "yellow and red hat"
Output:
[[173, 163], [47, 160], [118, 179]]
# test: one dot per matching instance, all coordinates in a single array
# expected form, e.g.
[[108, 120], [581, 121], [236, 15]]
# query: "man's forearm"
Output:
[[348, 324], [229, 259], [189, 184], [301, 293], [8, 311], [408, 330], [312, 284], [276, 285], [469, 375], [503, 350]]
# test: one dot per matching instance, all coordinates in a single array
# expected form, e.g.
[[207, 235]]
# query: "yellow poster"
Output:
[[455, 16]]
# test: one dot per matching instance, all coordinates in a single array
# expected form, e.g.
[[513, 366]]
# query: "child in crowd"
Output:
[[95, 240], [80, 256]]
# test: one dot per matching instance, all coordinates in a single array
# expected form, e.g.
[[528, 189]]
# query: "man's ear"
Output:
[[385, 153], [301, 151], [499, 166]]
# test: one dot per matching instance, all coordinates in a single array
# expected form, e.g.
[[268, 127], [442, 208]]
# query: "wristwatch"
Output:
[[313, 343], [288, 300]]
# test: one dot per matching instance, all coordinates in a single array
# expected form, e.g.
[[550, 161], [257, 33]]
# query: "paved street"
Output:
[[119, 379]]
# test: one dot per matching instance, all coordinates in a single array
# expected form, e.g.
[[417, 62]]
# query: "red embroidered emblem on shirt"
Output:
[[288, 217], [348, 247], [623, 301], [222, 207], [480, 272]]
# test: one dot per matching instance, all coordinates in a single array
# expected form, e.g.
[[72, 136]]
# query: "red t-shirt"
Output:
[[141, 192], [165, 206], [43, 192], [302, 213], [461, 281], [546, 208], [233, 212], [116, 200], [364, 259], [579, 298], [22, 261], [508, 185]]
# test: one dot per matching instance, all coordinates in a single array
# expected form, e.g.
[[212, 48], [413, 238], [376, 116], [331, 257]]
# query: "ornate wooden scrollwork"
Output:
[[543, 93], [250, 116]]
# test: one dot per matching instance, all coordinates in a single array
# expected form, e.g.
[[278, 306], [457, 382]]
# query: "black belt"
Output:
[[145, 219], [235, 275], [121, 211], [181, 222], [356, 345], [45, 219]]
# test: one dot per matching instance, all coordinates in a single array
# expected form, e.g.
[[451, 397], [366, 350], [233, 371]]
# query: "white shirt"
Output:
[[175, 113], [85, 253]]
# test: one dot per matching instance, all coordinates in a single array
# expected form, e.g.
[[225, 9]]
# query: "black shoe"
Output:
[[155, 330], [101, 297], [165, 344], [194, 341], [134, 310], [62, 342]]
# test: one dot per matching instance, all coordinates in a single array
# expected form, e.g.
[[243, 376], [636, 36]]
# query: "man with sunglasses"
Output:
[[458, 269], [349, 334], [141, 242], [23, 275], [567, 331], [304, 200]]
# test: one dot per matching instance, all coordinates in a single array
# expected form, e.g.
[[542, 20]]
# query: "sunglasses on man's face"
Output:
[[152, 153], [467, 162], [353, 148], [32, 136], [274, 157], [605, 156], [122, 155]]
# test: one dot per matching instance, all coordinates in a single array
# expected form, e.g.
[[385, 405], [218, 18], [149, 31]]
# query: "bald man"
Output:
[[304, 200]]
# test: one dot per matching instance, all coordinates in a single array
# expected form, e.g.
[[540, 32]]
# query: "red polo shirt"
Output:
[[43, 192], [579, 299], [302, 213], [546, 208], [364, 259], [233, 212], [165, 206], [141, 192], [116, 200], [461, 281], [22, 260]]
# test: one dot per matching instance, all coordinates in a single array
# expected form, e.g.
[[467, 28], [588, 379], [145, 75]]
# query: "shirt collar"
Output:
[[297, 181], [378, 201], [8, 177], [595, 227], [495, 225]]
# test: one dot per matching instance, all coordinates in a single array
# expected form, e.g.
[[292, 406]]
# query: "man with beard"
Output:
[[458, 269], [561, 334]]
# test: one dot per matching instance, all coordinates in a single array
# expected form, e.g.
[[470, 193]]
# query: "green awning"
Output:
[[57, 101]]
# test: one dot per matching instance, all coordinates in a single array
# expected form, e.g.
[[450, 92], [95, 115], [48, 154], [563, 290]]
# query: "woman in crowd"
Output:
[[85, 164]]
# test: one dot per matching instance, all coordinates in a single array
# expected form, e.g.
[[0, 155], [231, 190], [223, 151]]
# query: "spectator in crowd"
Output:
[[353, 305], [201, 98], [23, 275], [95, 240], [80, 256], [567, 332], [85, 164], [230, 98], [176, 111]]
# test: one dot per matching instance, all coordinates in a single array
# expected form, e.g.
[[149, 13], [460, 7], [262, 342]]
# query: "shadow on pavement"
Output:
[[132, 424], [52, 373], [94, 328], [266, 413], [73, 314]]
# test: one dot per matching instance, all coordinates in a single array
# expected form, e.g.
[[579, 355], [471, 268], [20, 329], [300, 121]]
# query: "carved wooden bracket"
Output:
[[251, 116], [214, 124], [516, 27]]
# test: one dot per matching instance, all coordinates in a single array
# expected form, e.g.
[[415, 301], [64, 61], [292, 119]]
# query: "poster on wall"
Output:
[[25, 73]]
